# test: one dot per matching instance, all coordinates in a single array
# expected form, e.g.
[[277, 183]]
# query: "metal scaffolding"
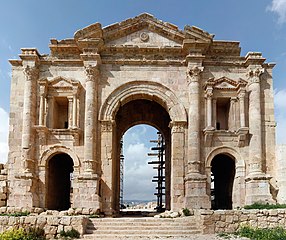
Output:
[[160, 166], [121, 174]]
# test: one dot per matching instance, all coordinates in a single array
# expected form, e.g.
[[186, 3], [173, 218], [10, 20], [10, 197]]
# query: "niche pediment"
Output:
[[61, 82], [225, 83]]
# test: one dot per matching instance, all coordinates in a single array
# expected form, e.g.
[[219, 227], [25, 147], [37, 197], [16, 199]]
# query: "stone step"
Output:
[[140, 236], [151, 220], [114, 228], [144, 232], [99, 224], [91, 229]]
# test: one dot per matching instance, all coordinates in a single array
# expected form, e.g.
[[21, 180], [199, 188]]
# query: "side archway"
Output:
[[56, 149], [56, 167], [227, 162]]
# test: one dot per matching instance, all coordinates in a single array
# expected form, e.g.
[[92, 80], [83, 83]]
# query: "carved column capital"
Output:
[[91, 72], [254, 75], [106, 126], [209, 92], [178, 127], [31, 73], [193, 73], [241, 93]]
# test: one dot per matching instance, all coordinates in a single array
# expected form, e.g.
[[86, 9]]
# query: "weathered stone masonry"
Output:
[[68, 113]]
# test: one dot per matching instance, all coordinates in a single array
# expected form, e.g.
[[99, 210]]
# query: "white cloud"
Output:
[[280, 115], [138, 174], [4, 126], [278, 7]]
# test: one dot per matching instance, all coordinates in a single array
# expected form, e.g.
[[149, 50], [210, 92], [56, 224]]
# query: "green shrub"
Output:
[[264, 206], [23, 234], [277, 233], [186, 212], [70, 234]]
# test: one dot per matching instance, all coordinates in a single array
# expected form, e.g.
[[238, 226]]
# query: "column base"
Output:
[[196, 194], [258, 189]]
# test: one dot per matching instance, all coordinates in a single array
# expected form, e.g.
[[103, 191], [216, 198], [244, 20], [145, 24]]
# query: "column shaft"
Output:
[[28, 119], [42, 110], [242, 109], [194, 143], [90, 118], [74, 111]]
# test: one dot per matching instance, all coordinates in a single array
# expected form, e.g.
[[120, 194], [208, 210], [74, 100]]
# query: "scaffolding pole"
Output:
[[159, 165], [121, 175]]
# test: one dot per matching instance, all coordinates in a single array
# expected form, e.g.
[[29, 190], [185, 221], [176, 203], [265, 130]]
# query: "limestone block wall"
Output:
[[52, 224], [281, 173], [230, 220], [3, 186]]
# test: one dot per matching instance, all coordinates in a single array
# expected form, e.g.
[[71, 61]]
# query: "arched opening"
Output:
[[60, 168], [223, 172], [142, 111], [139, 178]]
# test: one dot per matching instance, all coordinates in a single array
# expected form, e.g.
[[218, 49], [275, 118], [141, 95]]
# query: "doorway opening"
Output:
[[223, 172], [60, 169]]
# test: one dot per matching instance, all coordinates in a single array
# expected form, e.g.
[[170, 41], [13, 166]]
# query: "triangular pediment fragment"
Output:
[[143, 29]]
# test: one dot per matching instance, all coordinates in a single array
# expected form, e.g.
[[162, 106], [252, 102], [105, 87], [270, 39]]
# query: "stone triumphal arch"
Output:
[[70, 108]]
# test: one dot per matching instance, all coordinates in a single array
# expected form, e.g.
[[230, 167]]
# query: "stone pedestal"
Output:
[[86, 192], [258, 190], [196, 196], [24, 192]]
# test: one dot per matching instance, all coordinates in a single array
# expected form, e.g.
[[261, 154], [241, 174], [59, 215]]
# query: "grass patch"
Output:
[[94, 216], [70, 234], [186, 212], [277, 233], [264, 206], [17, 214]]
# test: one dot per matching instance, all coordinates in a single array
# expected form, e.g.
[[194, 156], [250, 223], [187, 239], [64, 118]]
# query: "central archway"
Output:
[[142, 111]]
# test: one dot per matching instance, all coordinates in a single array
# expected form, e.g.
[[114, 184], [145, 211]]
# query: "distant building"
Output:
[[69, 110]]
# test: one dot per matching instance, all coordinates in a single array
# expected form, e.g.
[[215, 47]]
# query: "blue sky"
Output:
[[259, 25]]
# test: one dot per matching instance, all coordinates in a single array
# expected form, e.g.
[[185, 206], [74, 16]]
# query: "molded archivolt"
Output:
[[143, 90], [239, 162], [54, 150]]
